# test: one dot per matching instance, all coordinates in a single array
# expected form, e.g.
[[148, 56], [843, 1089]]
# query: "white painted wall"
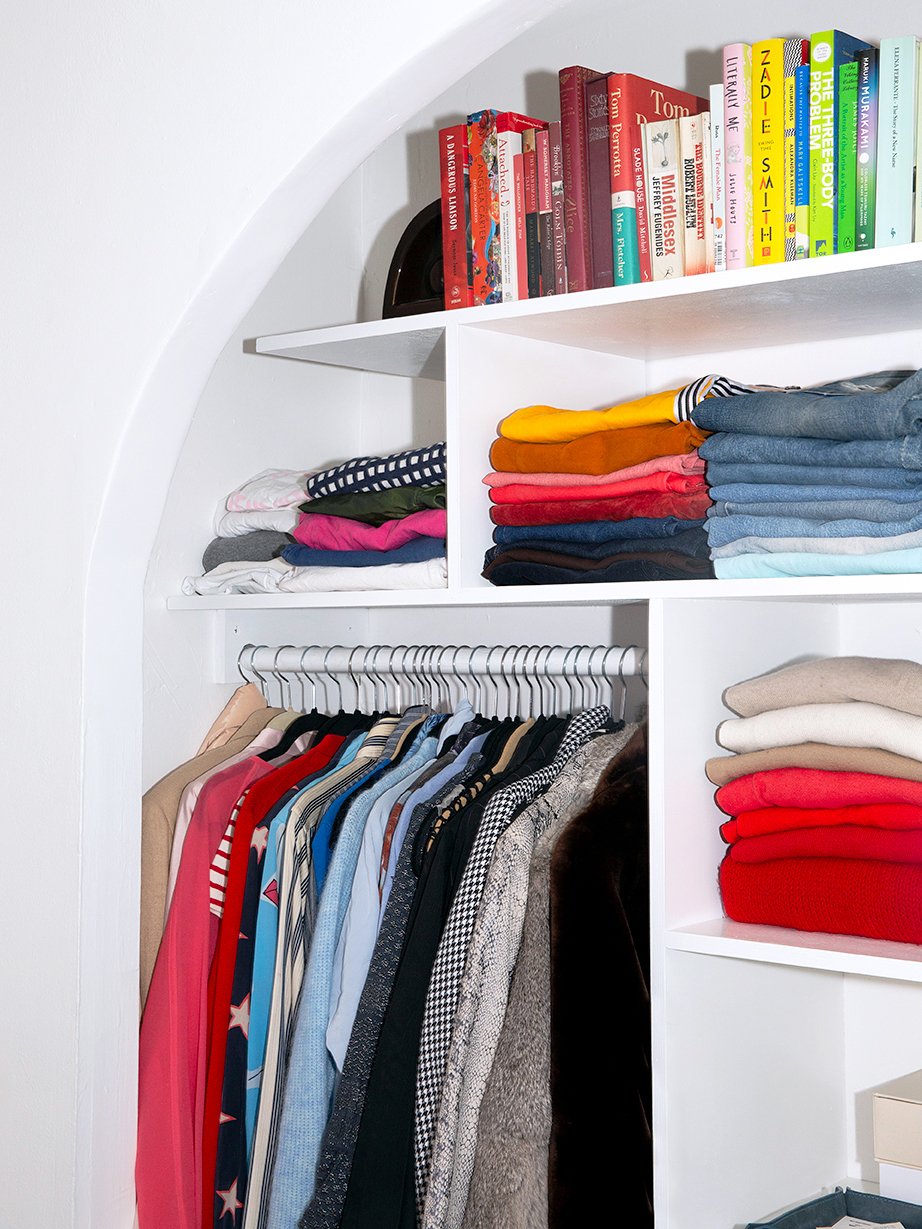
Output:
[[158, 162]]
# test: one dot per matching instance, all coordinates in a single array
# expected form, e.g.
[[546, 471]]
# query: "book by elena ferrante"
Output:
[[768, 151], [664, 199], [691, 174], [555, 144], [717, 177], [802, 162], [509, 129], [848, 156], [576, 175], [545, 212], [738, 159], [634, 100], [829, 50], [639, 165], [796, 54], [453, 173], [898, 85], [866, 147]]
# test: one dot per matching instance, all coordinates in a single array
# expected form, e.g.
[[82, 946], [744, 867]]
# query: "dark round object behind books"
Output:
[[414, 280]]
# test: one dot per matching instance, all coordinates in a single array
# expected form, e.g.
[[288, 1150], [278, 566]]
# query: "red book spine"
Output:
[[598, 165], [521, 247], [545, 215], [533, 248], [640, 195], [452, 156], [575, 175], [481, 136], [557, 209]]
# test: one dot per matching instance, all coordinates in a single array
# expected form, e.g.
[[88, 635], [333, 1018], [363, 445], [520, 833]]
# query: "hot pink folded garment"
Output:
[[663, 481], [689, 463], [325, 532]]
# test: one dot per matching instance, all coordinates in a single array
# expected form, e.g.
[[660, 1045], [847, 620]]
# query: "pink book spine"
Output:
[[521, 248]]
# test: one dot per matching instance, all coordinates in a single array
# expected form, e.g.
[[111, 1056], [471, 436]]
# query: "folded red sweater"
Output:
[[525, 493], [687, 507], [841, 841], [840, 896], [814, 787], [899, 816]]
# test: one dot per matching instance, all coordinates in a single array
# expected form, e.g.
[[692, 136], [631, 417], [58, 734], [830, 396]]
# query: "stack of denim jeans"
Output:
[[816, 482]]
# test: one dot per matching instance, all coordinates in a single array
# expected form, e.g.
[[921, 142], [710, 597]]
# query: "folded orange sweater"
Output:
[[599, 453]]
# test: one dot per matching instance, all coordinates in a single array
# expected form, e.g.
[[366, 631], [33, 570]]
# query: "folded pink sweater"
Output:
[[339, 533], [664, 481], [688, 463]]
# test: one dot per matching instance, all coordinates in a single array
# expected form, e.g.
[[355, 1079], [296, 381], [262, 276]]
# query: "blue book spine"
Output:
[[897, 85], [802, 160]]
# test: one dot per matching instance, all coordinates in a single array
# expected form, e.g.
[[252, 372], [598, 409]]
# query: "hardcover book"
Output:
[[829, 50], [453, 172], [575, 175], [509, 129], [708, 192], [545, 213], [634, 100], [639, 164], [485, 245], [738, 145], [848, 155], [768, 151], [555, 143], [532, 241], [691, 172], [521, 247], [664, 199], [896, 132], [717, 177], [866, 171], [595, 102], [796, 53]]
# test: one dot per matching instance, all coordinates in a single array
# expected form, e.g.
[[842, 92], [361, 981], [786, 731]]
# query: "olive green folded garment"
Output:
[[376, 507]]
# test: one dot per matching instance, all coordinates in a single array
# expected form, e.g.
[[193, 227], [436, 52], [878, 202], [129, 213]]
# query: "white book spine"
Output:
[[717, 177], [708, 175], [664, 199], [508, 144]]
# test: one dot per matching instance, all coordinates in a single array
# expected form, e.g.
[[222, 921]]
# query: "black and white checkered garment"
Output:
[[417, 467], [707, 386], [445, 981]]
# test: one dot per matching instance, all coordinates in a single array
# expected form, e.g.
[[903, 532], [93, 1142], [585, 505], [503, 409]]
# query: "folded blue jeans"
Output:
[[417, 550], [822, 509], [594, 531], [724, 529], [723, 473], [769, 493], [828, 546], [764, 449], [817, 414]]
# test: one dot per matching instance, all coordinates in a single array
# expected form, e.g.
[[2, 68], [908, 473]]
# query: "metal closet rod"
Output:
[[447, 661]]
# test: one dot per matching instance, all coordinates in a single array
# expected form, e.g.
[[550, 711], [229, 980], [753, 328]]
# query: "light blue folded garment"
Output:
[[796, 563], [724, 529], [805, 496]]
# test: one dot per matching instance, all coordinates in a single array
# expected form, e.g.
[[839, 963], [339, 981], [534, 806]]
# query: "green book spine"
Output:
[[848, 156], [866, 188]]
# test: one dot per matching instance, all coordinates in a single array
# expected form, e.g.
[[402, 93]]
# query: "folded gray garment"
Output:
[[258, 546], [725, 768], [852, 724], [834, 680]]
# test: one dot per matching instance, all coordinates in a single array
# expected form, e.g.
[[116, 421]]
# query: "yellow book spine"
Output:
[[768, 151]]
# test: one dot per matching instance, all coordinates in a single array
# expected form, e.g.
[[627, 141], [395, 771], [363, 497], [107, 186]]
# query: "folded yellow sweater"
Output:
[[543, 424]]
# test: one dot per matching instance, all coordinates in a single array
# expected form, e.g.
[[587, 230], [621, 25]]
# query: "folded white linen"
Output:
[[276, 576], [854, 724], [272, 488], [234, 524]]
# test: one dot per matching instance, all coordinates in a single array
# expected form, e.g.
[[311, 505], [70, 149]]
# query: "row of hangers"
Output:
[[525, 680]]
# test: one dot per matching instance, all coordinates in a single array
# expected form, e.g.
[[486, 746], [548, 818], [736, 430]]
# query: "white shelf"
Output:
[[854, 294], [825, 588], [803, 949]]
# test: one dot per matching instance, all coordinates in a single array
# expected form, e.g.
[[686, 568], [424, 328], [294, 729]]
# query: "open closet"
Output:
[[767, 1043]]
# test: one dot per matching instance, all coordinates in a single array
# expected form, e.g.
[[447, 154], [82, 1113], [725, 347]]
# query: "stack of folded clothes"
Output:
[[825, 798], [370, 523], [817, 482], [602, 495]]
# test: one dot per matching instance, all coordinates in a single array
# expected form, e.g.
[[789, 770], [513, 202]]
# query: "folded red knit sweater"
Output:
[[840, 896], [524, 493], [841, 841], [687, 507], [892, 815], [814, 787]]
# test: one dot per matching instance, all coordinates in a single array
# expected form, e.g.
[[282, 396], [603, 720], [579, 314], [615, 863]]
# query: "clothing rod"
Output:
[[427, 661]]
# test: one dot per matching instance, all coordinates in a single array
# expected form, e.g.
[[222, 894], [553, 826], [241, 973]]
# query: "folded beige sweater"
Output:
[[834, 680]]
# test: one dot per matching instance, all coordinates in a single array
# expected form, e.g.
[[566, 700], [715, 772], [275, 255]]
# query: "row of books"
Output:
[[640, 182]]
